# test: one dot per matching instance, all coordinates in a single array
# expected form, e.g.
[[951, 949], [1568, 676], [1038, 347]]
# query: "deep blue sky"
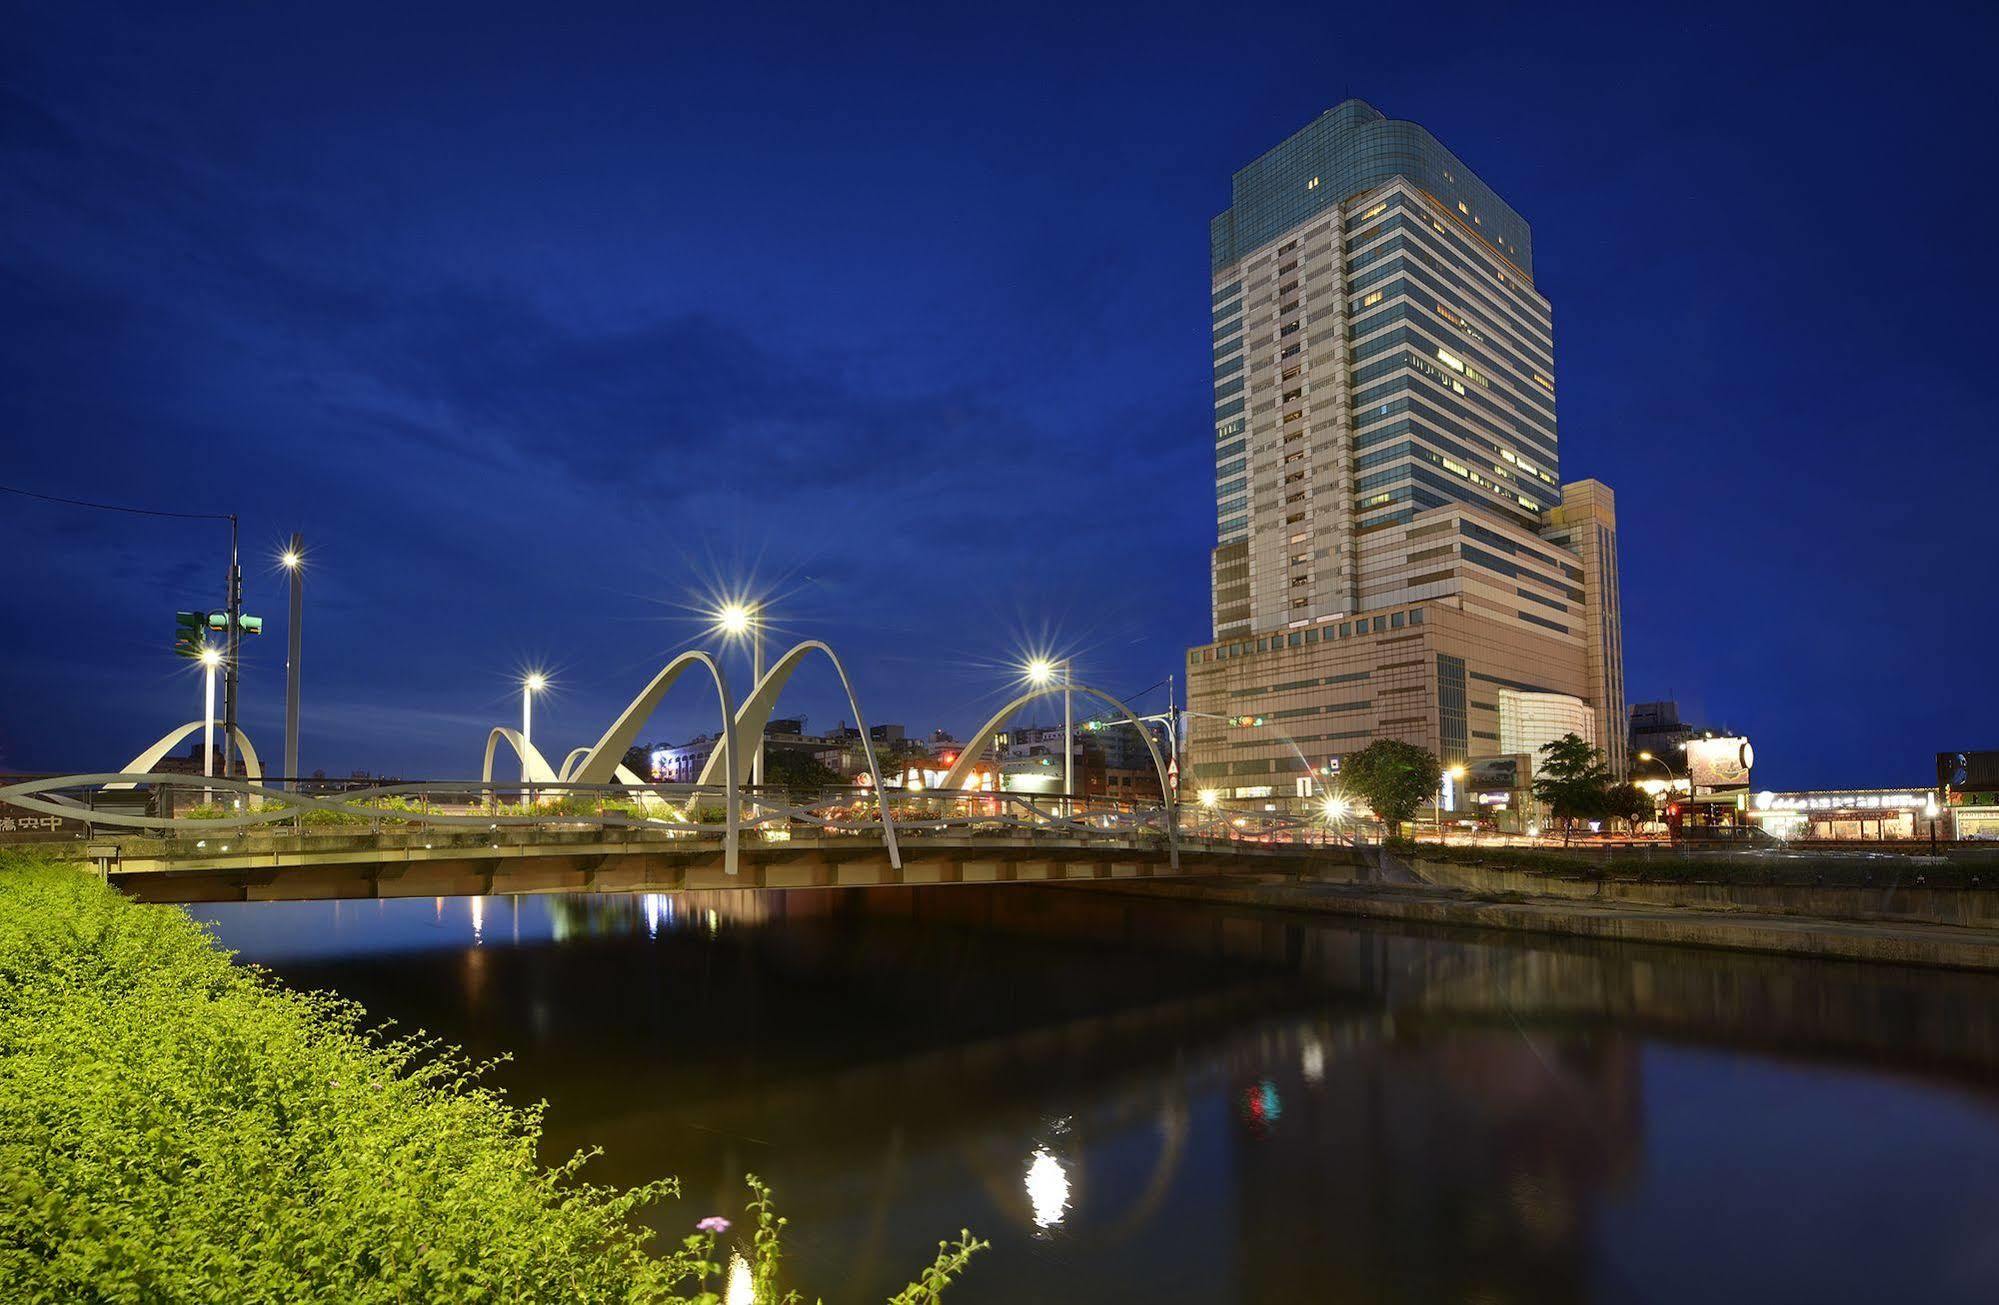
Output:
[[540, 321]]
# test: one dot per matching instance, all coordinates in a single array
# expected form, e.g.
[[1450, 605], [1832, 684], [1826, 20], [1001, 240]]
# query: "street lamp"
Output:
[[733, 621], [1672, 776], [293, 561], [1039, 672], [531, 683], [1452, 775], [211, 658]]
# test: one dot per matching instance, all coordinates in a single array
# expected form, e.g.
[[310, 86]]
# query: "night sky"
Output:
[[544, 322]]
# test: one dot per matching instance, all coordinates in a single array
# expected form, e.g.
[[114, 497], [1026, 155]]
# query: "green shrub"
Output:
[[175, 1127], [321, 819]]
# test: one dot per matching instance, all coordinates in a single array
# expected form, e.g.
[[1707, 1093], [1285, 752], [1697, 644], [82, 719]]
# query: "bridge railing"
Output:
[[213, 811]]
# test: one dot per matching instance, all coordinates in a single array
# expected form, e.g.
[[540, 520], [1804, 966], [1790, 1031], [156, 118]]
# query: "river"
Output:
[[1138, 1100]]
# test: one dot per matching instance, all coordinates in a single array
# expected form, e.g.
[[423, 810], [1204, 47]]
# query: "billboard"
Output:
[[1718, 763], [1967, 772]]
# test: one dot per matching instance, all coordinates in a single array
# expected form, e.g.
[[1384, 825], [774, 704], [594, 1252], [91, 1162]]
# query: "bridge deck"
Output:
[[263, 866]]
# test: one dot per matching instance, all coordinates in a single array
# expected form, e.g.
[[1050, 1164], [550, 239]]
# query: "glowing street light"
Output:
[[733, 620], [1210, 798], [210, 658], [1448, 792], [531, 683], [293, 561], [1336, 808], [1040, 672], [1672, 776]]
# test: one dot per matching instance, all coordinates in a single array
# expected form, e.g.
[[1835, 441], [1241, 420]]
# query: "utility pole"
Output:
[[235, 647]]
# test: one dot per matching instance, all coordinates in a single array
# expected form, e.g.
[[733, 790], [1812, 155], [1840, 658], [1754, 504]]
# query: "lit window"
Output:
[[1371, 300], [1375, 211], [1313, 184], [1462, 208], [1450, 360]]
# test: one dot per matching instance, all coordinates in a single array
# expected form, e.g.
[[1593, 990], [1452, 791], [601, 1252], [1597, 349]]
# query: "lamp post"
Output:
[[293, 561], [1451, 776], [531, 683], [1931, 811], [1672, 776], [737, 620], [1039, 672], [211, 658]]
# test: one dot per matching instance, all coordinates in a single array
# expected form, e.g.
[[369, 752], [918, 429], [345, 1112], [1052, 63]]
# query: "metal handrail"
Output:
[[448, 805]]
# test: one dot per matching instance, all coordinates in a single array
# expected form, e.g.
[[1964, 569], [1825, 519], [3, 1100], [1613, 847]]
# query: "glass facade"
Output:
[[1380, 351], [1351, 148]]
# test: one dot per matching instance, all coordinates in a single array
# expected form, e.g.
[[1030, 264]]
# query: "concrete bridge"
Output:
[[154, 837]]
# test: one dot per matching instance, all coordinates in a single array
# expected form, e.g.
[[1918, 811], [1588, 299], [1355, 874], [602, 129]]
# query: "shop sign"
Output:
[[20, 825]]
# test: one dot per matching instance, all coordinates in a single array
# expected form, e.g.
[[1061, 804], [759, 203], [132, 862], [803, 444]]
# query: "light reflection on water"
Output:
[[1149, 1101]]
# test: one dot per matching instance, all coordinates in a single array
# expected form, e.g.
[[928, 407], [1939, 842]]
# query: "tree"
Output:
[[1574, 781], [639, 761], [1394, 778], [1629, 803], [795, 768]]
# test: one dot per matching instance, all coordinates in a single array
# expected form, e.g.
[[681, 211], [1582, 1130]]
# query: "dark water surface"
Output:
[[1161, 1102]]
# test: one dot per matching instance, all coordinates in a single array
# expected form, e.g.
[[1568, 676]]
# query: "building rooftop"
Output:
[[1347, 150]]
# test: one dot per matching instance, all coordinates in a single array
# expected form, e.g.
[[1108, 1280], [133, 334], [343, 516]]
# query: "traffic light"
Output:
[[219, 622], [1242, 721], [189, 633]]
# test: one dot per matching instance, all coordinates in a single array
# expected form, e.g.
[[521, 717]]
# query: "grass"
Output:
[[177, 1127]]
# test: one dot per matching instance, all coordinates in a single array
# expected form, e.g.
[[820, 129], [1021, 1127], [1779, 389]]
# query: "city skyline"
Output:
[[483, 346]]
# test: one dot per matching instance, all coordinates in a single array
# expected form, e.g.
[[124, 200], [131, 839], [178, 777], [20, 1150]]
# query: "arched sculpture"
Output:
[[533, 764], [975, 746], [143, 763], [605, 760], [755, 715]]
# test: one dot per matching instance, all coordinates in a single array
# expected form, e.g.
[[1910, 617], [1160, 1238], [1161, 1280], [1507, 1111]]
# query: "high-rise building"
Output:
[[1394, 541]]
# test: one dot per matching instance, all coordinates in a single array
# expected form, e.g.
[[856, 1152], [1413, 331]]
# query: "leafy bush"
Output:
[[319, 819], [175, 1127]]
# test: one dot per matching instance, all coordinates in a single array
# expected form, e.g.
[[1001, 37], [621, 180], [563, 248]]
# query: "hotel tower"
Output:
[[1396, 555]]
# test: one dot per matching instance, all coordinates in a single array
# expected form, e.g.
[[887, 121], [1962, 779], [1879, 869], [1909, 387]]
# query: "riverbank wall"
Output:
[[1905, 901], [1684, 925]]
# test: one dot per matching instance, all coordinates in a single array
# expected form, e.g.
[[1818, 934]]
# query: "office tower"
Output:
[[1394, 542]]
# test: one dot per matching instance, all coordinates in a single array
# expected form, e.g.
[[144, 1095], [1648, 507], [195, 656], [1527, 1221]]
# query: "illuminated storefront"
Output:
[[1846, 815]]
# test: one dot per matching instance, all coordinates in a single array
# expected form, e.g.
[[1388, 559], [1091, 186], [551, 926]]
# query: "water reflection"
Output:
[[1047, 1188], [1143, 1101]]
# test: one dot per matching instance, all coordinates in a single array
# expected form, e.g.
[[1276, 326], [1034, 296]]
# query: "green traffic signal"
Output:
[[189, 633], [219, 622]]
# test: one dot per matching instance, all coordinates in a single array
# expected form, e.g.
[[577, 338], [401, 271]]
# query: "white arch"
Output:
[[143, 763], [606, 758], [532, 761], [975, 747], [569, 762], [755, 715]]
